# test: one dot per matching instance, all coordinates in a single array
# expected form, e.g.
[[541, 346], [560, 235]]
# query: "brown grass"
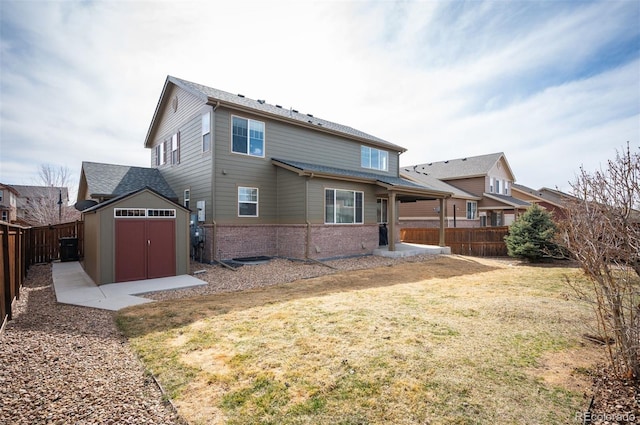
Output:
[[450, 340]]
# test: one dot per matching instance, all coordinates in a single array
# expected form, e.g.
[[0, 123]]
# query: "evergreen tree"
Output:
[[531, 235]]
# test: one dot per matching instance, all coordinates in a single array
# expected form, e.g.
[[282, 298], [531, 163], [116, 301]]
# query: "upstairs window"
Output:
[[247, 137], [497, 186], [187, 198], [1, 197], [175, 149], [343, 206], [160, 159], [374, 158], [506, 187], [247, 201], [206, 132]]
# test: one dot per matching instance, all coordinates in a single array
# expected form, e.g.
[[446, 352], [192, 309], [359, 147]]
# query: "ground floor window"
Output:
[[248, 202], [472, 210], [344, 206], [382, 205]]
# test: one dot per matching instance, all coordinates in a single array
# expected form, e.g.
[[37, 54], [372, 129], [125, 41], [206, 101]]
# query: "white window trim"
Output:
[[206, 118], [384, 210], [264, 137], [249, 202], [380, 152], [335, 209], [475, 210], [186, 198], [175, 149], [144, 213]]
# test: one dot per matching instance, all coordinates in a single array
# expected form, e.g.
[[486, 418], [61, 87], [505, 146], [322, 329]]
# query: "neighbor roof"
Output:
[[32, 192], [509, 200], [108, 180], [437, 184], [213, 96], [472, 166]]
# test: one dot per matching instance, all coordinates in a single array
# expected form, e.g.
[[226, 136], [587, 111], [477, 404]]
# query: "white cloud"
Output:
[[547, 83]]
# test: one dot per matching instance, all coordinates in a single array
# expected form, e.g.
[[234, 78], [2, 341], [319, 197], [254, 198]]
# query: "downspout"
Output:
[[307, 246], [214, 244]]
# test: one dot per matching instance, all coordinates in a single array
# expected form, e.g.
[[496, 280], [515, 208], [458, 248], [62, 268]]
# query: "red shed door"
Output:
[[161, 254], [131, 251], [145, 249]]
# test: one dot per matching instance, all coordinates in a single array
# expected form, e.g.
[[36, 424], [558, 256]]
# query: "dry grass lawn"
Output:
[[452, 340]]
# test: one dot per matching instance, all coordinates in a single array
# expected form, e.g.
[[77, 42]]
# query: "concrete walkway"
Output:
[[73, 286], [404, 249]]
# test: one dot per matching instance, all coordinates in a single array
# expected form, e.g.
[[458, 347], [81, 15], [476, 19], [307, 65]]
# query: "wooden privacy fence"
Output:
[[22, 247], [478, 242], [44, 242], [13, 268]]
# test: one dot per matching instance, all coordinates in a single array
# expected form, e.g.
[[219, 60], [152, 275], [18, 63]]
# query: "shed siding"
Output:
[[105, 259]]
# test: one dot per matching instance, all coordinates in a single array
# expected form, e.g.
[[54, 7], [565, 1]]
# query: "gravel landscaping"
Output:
[[63, 364]]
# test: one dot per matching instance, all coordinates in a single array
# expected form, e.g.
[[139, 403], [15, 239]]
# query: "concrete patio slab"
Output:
[[73, 286], [404, 249]]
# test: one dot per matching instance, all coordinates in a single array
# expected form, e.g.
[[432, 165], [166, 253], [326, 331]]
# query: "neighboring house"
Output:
[[550, 199], [481, 187], [8, 203], [263, 180], [42, 205]]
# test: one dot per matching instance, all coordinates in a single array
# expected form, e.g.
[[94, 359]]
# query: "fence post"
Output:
[[6, 266]]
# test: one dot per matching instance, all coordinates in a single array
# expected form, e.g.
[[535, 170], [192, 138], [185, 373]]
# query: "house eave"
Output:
[[212, 101]]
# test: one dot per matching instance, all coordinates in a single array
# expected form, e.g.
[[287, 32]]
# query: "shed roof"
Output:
[[212, 96], [130, 194], [110, 180]]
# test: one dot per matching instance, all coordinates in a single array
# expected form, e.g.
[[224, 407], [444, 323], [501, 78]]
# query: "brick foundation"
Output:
[[289, 241]]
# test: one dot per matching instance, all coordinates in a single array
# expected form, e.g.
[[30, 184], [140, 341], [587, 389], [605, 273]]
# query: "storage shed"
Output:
[[135, 236]]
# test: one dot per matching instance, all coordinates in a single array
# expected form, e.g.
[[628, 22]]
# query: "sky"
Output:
[[555, 85]]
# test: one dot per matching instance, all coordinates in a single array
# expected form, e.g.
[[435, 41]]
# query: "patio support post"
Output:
[[441, 233], [392, 220]]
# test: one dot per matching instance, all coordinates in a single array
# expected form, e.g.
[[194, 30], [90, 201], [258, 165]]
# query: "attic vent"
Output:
[[261, 101], [431, 163], [406, 169], [240, 95], [320, 123], [446, 162], [310, 122], [295, 110], [464, 159], [310, 115], [278, 106]]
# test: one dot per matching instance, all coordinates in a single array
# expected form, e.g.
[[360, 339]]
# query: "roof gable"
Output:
[[132, 194], [473, 166], [110, 180], [213, 96]]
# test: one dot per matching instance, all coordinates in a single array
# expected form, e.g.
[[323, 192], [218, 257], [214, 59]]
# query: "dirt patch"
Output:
[[571, 369]]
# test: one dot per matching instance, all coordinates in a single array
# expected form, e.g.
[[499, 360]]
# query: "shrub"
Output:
[[531, 236]]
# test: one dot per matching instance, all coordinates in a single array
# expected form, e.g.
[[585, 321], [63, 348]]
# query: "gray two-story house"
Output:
[[264, 180]]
